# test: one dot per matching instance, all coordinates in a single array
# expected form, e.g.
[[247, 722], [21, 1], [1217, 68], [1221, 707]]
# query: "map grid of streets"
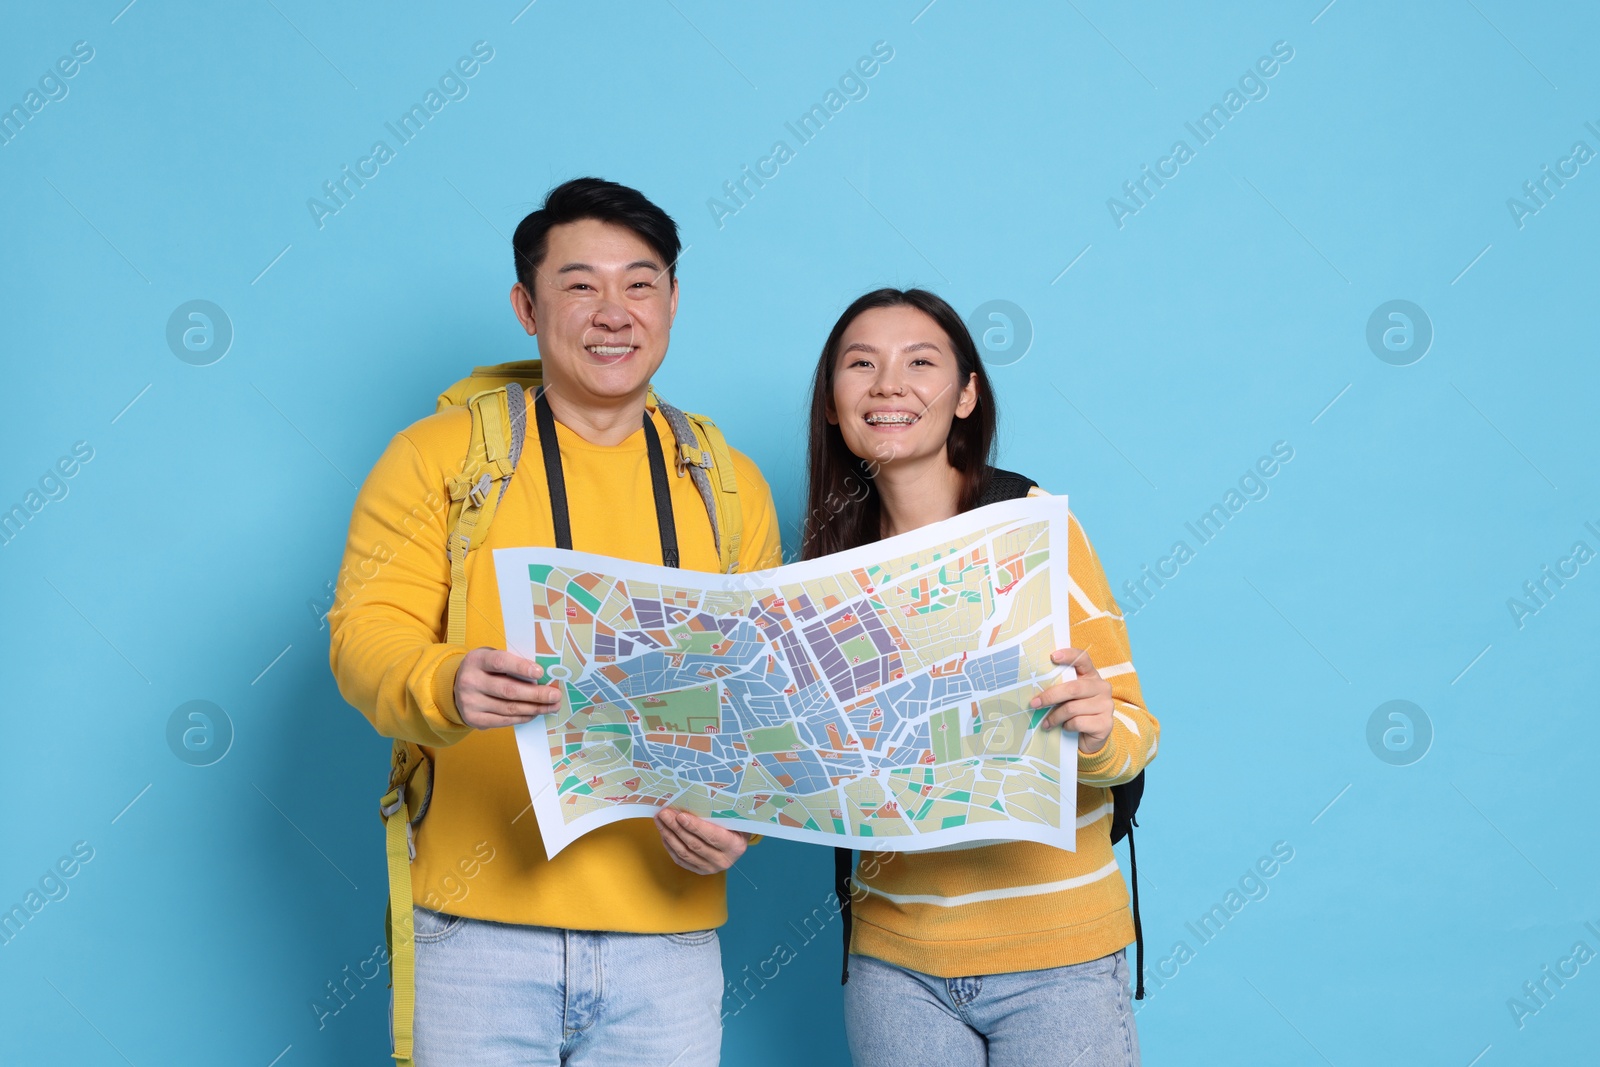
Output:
[[875, 698]]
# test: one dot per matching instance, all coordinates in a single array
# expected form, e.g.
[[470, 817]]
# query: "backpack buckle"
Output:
[[690, 456], [480, 492], [392, 801]]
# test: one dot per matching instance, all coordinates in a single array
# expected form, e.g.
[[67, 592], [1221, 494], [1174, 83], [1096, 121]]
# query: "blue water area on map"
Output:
[[915, 697]]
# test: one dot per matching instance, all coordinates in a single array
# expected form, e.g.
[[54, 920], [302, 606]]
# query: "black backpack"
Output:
[[1007, 485]]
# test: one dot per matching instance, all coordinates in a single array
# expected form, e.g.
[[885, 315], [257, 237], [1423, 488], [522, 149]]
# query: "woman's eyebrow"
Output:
[[914, 346]]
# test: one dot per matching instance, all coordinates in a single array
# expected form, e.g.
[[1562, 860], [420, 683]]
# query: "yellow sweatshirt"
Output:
[[1022, 906], [479, 852]]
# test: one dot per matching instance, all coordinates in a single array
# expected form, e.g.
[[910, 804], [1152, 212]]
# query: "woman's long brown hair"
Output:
[[843, 509]]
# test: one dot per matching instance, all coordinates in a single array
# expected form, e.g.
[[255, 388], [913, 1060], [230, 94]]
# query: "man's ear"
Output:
[[672, 312], [968, 400], [522, 304]]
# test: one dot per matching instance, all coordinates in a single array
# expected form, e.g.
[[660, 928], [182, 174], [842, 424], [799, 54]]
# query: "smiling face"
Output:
[[897, 387], [602, 308]]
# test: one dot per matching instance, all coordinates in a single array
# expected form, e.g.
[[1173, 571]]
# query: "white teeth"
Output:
[[610, 350], [891, 418]]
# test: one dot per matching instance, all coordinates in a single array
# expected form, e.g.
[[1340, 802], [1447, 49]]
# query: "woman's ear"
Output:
[[968, 400]]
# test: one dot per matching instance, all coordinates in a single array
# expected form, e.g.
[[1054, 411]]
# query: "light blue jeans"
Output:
[[1077, 1016], [499, 995]]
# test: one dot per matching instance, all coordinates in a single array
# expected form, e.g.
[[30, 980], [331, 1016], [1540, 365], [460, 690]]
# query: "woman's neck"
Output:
[[913, 495]]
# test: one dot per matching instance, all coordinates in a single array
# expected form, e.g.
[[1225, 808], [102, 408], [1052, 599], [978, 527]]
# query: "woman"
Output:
[[1007, 954]]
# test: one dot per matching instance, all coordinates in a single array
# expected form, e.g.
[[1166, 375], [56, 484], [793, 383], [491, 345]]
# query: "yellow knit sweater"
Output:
[[1021, 906]]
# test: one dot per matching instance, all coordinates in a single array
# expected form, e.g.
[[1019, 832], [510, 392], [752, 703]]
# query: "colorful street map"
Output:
[[875, 698]]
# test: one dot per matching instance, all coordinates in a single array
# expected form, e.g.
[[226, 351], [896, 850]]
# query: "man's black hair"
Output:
[[593, 198]]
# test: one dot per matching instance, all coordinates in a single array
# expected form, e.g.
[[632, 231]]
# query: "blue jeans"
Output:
[[500, 995], [1077, 1016]]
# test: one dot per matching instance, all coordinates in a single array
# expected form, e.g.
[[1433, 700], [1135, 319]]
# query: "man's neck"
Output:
[[600, 421], [913, 495]]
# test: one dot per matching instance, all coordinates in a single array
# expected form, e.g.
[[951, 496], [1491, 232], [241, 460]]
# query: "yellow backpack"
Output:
[[496, 399]]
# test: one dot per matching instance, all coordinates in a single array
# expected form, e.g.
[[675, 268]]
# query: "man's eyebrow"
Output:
[[638, 264]]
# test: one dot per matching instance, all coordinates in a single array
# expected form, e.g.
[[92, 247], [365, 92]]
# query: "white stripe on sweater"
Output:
[[1092, 817], [993, 894], [1090, 607]]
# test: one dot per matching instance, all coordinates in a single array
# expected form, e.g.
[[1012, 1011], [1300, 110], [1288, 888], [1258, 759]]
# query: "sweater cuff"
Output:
[[444, 687], [1101, 764]]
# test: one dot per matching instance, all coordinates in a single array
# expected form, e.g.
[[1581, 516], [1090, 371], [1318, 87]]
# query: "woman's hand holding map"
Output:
[[1082, 704]]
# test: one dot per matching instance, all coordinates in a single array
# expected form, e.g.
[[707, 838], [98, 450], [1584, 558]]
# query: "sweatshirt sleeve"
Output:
[[387, 625], [1098, 628]]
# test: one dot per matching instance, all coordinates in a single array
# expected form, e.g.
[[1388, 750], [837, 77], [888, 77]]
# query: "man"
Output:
[[607, 954]]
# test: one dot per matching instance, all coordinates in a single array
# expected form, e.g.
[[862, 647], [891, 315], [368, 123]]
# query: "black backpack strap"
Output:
[[1124, 817], [1138, 927], [1125, 805], [843, 864], [1004, 485]]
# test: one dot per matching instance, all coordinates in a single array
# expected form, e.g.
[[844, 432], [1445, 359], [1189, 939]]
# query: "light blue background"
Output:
[[1225, 316]]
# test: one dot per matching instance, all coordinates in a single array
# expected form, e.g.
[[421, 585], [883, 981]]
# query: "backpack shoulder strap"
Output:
[[499, 427], [726, 483], [704, 453], [1004, 485]]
